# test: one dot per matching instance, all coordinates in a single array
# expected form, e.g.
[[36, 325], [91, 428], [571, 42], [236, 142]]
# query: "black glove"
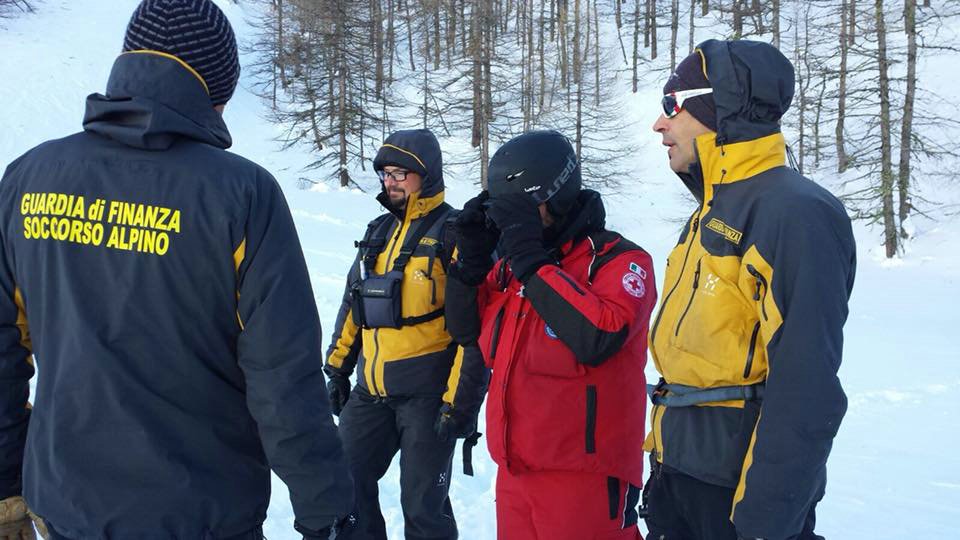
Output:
[[338, 391], [454, 424], [521, 233], [475, 242], [342, 529]]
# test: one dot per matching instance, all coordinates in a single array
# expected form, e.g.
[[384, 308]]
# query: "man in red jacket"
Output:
[[562, 321]]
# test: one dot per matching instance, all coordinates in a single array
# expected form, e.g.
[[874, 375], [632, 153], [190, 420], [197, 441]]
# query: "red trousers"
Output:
[[565, 506]]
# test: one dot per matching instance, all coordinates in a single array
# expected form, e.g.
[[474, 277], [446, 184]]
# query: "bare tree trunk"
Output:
[[562, 32], [801, 86], [391, 39], [409, 20], [816, 122], [577, 60], [646, 24], [636, 42], [653, 28], [543, 63], [842, 159], [704, 7], [886, 165], [378, 47], [596, 55], [906, 133], [852, 21], [674, 27], [737, 19], [692, 25], [776, 23], [436, 33]]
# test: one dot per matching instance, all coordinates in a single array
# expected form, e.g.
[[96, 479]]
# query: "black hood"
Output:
[[151, 101], [417, 150], [753, 84]]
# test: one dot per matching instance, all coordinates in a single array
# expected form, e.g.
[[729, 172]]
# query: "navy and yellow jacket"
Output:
[[419, 359], [159, 281], [756, 291]]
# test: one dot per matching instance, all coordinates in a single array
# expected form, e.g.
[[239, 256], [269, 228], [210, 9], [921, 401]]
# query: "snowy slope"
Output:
[[894, 471]]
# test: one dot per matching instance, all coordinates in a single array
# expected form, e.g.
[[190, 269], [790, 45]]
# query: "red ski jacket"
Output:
[[567, 351]]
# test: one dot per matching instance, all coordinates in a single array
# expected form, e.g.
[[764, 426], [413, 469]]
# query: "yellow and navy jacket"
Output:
[[417, 359], [756, 294], [160, 283]]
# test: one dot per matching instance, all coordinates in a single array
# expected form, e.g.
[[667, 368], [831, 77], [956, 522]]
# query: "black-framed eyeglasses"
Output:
[[398, 175], [672, 103]]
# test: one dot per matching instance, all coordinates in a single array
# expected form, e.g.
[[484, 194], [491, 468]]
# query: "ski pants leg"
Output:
[[680, 507], [373, 431], [565, 506], [426, 465], [370, 440]]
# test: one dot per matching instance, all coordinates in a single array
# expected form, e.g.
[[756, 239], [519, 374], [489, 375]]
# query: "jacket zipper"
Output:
[[761, 282], [693, 294], [495, 336], [663, 306], [376, 331], [753, 345]]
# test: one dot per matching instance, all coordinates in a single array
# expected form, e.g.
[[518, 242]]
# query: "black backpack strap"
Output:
[[600, 240], [374, 240], [413, 239]]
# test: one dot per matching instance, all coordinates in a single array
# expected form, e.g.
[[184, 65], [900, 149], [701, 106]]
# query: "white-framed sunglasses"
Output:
[[673, 102]]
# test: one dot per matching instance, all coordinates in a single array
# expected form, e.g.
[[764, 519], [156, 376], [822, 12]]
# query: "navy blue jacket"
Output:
[[160, 284]]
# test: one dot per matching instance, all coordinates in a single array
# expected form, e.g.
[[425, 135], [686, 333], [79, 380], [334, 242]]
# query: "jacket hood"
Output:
[[417, 150], [753, 84], [152, 100]]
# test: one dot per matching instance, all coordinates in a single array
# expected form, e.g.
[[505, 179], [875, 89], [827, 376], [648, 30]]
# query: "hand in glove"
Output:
[[342, 529], [475, 242], [338, 391], [15, 522], [521, 233], [454, 424]]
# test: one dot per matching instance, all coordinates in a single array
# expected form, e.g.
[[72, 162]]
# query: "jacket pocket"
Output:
[[590, 442], [546, 354], [715, 325]]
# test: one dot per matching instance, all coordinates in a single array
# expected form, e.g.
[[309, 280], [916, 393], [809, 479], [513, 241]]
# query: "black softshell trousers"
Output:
[[680, 507], [373, 430]]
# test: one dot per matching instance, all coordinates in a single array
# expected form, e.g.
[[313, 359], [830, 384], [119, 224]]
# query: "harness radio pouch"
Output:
[[380, 296], [377, 298]]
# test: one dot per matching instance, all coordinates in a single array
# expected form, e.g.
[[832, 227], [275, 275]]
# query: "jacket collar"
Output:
[[418, 205], [726, 164], [153, 100]]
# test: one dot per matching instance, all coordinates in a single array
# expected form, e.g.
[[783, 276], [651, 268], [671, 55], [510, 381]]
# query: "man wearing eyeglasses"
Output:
[[416, 391], [750, 332]]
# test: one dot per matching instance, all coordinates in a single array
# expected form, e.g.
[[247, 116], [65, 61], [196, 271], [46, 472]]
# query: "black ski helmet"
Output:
[[541, 163]]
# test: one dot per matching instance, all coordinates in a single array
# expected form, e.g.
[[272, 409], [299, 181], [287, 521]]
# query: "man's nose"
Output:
[[660, 125]]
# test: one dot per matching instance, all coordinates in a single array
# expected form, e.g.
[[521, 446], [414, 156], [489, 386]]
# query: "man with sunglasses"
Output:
[[416, 391], [749, 335]]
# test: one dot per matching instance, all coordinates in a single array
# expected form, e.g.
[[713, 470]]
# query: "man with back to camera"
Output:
[[160, 283], [749, 336]]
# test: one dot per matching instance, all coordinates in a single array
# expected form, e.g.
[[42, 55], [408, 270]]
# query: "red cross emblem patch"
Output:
[[633, 284]]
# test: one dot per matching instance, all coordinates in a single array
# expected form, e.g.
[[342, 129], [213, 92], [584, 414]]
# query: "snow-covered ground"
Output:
[[894, 471]]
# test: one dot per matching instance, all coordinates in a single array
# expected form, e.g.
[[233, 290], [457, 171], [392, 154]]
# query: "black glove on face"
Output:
[[338, 391], [521, 233], [475, 242], [453, 424]]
